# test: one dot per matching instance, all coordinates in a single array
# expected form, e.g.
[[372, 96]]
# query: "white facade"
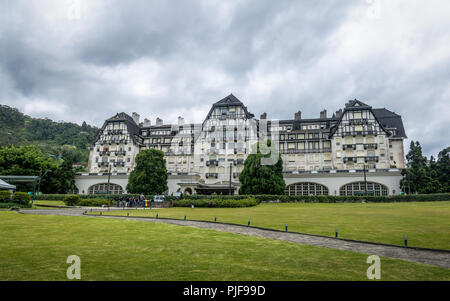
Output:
[[201, 158]]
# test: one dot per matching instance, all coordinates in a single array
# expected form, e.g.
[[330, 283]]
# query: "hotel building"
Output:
[[326, 155]]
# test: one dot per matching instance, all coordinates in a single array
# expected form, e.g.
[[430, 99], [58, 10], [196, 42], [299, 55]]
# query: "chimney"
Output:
[[159, 121], [298, 115], [263, 116], [323, 114], [180, 120], [135, 117], [147, 122], [338, 113]]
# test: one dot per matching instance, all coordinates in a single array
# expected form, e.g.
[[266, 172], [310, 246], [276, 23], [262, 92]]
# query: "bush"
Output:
[[93, 202], [5, 196], [9, 205], [21, 198], [71, 200], [217, 203]]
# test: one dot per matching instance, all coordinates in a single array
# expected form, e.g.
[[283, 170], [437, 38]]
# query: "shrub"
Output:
[[21, 198], [5, 196], [93, 202], [71, 200], [217, 203], [9, 205]]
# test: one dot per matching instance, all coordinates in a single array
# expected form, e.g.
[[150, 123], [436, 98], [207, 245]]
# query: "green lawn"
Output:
[[426, 224], [53, 203], [35, 247]]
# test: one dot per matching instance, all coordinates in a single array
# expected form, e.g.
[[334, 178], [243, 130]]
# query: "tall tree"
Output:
[[443, 169], [150, 174], [420, 176], [262, 174]]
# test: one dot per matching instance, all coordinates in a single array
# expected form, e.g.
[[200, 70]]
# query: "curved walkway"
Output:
[[432, 257]]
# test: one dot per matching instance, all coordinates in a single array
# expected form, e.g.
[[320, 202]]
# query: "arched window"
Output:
[[358, 188], [102, 188], [306, 188]]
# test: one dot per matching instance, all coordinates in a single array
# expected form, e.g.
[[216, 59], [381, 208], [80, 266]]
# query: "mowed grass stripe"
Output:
[[426, 224], [35, 247]]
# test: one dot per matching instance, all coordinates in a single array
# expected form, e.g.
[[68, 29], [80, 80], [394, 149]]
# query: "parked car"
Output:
[[159, 198]]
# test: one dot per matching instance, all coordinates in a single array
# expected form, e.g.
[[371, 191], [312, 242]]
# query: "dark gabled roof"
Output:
[[230, 100], [356, 105], [132, 127], [390, 120]]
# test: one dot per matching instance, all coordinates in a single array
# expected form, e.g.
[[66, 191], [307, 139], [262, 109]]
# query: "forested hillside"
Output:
[[53, 138]]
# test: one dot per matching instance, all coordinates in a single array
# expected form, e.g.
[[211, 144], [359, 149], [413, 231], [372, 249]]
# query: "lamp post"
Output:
[[365, 179], [230, 176], [109, 177]]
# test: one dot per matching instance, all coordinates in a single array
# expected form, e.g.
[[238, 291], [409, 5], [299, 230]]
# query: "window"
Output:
[[306, 189], [359, 188], [103, 188]]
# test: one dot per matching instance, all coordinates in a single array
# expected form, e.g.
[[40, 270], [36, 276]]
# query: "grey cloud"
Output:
[[197, 54]]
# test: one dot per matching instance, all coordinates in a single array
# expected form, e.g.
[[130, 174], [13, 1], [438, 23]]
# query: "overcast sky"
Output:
[[79, 60]]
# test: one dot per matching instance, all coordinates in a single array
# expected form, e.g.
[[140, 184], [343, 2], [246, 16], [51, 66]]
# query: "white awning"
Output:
[[4, 185]]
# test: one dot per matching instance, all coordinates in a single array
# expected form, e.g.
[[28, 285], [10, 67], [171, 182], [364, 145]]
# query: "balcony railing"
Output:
[[236, 175], [115, 132], [212, 175], [212, 162], [371, 146], [120, 153], [347, 146], [119, 163], [359, 133], [349, 159], [104, 153], [239, 162], [371, 159], [305, 151], [100, 164], [359, 121]]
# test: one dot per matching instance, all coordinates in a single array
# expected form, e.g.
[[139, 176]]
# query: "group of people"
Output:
[[134, 202]]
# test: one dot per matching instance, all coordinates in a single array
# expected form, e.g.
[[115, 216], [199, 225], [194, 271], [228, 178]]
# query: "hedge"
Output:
[[217, 203], [9, 205], [75, 200], [21, 198], [5, 196], [93, 202], [114, 197], [271, 198]]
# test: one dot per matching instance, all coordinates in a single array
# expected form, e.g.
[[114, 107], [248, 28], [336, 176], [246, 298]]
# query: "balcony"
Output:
[[120, 153], [212, 162], [349, 159], [305, 151], [119, 163], [348, 146], [371, 146], [236, 175], [212, 175], [371, 159], [359, 121], [358, 133], [239, 162], [115, 132], [104, 153], [100, 164]]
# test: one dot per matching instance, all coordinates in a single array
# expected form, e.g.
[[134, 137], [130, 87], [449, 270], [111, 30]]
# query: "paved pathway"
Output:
[[437, 258]]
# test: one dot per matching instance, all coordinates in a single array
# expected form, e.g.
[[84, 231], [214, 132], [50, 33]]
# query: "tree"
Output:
[[30, 161], [66, 176], [443, 169], [259, 178], [422, 176], [149, 175]]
